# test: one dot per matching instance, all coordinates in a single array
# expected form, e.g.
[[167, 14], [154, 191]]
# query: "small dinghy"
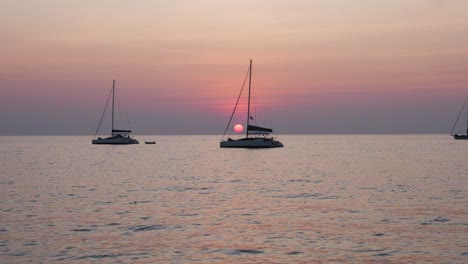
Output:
[[150, 142]]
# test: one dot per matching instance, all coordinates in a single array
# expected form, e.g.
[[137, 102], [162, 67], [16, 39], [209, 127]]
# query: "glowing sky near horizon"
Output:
[[335, 66]]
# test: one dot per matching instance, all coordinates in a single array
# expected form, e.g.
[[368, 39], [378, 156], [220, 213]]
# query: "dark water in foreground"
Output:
[[358, 199]]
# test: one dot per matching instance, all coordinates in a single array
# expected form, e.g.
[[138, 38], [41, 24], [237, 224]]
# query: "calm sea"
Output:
[[320, 199]]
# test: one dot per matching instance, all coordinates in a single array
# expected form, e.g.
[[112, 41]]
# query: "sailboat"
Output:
[[255, 136], [118, 136], [457, 136]]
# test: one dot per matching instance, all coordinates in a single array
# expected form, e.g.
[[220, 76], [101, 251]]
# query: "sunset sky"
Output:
[[321, 66]]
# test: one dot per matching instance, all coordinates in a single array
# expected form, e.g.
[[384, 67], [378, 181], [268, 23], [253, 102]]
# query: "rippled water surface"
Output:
[[360, 199]]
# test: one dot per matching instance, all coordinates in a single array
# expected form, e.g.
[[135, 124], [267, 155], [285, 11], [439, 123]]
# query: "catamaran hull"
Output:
[[251, 143], [115, 141], [460, 137]]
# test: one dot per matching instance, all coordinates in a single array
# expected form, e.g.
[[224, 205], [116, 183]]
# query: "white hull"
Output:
[[115, 141], [251, 143]]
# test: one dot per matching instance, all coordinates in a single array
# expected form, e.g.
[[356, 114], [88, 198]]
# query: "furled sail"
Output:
[[120, 131], [251, 128]]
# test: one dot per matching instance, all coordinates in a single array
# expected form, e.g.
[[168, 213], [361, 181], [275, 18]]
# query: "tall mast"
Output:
[[113, 88], [248, 106]]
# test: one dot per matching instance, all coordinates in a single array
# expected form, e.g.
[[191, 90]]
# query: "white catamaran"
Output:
[[118, 136], [458, 136], [256, 136]]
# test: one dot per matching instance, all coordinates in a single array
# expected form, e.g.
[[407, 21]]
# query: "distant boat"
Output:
[[255, 136], [457, 136], [118, 136], [150, 142]]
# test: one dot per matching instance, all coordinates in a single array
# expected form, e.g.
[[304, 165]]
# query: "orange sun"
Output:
[[238, 128]]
